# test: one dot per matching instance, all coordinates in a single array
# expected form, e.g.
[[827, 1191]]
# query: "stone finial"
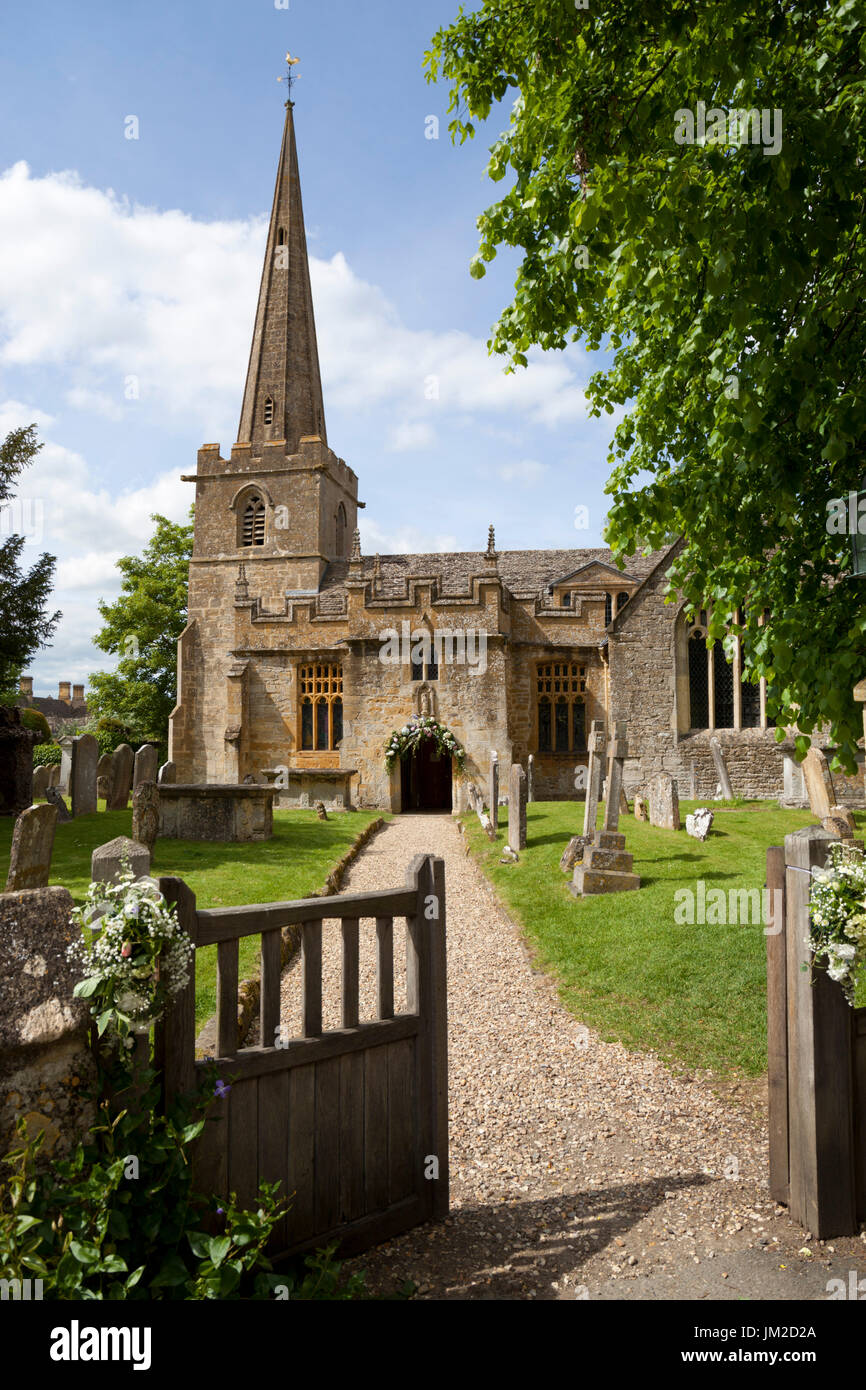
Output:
[[355, 556], [491, 553], [242, 588]]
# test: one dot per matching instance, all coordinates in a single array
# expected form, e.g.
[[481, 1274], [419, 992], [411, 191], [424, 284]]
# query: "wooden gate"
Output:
[[353, 1121], [816, 1059]]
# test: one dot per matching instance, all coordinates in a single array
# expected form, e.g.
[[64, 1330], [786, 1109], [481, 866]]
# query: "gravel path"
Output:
[[578, 1169]]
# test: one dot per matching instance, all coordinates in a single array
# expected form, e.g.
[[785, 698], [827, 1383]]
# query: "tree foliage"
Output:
[[142, 627], [725, 279], [25, 624]]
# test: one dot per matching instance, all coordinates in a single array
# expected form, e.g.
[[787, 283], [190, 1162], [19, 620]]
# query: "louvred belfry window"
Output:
[[321, 693], [253, 528], [561, 707]]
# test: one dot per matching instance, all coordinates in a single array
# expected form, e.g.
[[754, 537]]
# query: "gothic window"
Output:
[[608, 608], [341, 531], [433, 670], [321, 693], [751, 705], [621, 598], [699, 695], [560, 707], [417, 670], [723, 672], [253, 522], [269, 410]]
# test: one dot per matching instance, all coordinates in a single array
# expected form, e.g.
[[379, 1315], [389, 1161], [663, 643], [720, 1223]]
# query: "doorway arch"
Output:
[[426, 779]]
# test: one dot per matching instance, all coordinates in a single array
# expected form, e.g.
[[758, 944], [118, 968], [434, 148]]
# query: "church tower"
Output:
[[283, 503]]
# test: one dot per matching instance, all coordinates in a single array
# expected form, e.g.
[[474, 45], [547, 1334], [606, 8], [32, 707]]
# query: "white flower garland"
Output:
[[837, 917], [126, 927]]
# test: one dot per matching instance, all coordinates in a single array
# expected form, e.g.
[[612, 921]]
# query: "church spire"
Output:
[[283, 392]]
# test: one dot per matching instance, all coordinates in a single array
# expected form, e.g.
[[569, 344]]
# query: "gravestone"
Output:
[[145, 765], [595, 744], [530, 778], [32, 843], [664, 801], [121, 778], [109, 860], [839, 825], [85, 755], [699, 822], [607, 867], [53, 797], [493, 789], [321, 813], [573, 852], [794, 792], [16, 762], [517, 807], [54, 778], [145, 814], [819, 783], [167, 773], [721, 769], [103, 778], [41, 776], [65, 764], [641, 811]]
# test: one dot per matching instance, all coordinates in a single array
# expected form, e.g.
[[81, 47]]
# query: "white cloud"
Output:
[[402, 540], [527, 472], [410, 436], [102, 290]]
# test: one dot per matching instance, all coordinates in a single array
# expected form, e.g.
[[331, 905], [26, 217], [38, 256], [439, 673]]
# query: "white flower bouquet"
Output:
[[837, 917]]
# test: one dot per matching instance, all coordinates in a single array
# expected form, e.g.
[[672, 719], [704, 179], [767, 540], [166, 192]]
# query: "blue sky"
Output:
[[129, 271]]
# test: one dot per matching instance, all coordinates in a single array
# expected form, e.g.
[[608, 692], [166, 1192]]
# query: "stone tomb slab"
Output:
[[226, 812]]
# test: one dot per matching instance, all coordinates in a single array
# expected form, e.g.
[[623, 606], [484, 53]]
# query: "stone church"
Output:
[[286, 669]]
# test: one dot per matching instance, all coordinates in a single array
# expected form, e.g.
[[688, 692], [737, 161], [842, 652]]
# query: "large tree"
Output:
[[142, 627], [721, 261], [25, 624]]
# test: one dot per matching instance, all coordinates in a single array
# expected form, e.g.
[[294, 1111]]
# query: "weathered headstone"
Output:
[[109, 860], [16, 762], [85, 755], [794, 792], [54, 779], [664, 801], [145, 813], [53, 797], [721, 769], [41, 776], [839, 825], [65, 763], [595, 744], [607, 866], [573, 852], [32, 843], [145, 765], [641, 811], [121, 778], [699, 822], [321, 813], [493, 789], [819, 783], [530, 778], [517, 807], [103, 778], [168, 774], [617, 752]]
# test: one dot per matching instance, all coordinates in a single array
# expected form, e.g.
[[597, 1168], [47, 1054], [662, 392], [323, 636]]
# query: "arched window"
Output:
[[608, 608], [253, 525], [699, 695], [621, 598], [341, 531], [269, 410], [719, 696]]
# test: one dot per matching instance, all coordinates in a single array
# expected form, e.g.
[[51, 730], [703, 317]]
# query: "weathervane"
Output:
[[290, 76]]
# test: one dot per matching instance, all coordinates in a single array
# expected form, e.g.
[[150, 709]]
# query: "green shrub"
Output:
[[47, 754], [111, 733], [35, 719]]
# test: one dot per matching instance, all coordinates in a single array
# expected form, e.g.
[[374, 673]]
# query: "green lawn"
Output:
[[695, 994], [294, 864]]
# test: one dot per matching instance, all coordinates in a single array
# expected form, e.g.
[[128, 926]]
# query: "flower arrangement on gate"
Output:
[[418, 731], [126, 927], [837, 917]]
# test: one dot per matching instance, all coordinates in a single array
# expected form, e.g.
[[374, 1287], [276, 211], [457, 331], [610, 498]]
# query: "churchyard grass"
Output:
[[294, 864], [694, 994]]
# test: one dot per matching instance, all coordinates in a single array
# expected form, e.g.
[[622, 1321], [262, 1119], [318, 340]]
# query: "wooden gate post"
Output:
[[175, 1035], [777, 1026], [426, 987], [820, 1063]]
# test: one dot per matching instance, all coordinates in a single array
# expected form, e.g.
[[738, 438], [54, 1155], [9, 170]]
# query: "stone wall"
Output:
[[45, 1062]]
